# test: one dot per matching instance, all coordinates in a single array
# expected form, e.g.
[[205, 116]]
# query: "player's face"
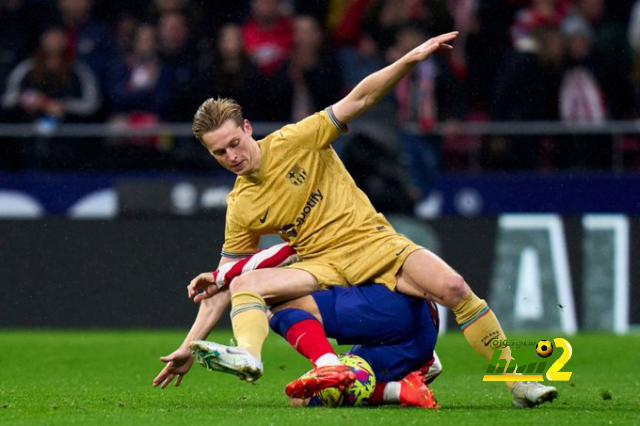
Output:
[[233, 147]]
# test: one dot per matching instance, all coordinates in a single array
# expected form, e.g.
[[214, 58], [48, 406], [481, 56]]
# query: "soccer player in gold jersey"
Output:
[[293, 184]]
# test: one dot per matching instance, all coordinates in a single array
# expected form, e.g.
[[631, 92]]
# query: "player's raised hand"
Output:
[[202, 287], [178, 364], [432, 45]]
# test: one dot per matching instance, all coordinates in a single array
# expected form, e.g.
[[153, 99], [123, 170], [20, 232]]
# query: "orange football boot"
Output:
[[415, 393], [328, 376]]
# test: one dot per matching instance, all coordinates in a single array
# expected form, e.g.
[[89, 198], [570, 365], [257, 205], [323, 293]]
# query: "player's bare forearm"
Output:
[[209, 314], [371, 89], [178, 363]]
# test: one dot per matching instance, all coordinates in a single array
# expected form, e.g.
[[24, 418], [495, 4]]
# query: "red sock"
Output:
[[377, 397], [308, 338]]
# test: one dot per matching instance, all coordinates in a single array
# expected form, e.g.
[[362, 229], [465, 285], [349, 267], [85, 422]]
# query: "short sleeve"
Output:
[[316, 132]]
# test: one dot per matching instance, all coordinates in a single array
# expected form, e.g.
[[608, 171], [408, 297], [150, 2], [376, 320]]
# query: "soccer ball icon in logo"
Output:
[[544, 348], [357, 395]]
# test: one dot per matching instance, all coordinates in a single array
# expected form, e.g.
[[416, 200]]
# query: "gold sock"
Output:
[[480, 327], [249, 321]]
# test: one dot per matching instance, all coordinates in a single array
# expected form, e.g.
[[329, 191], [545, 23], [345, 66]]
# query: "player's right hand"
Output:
[[202, 287], [178, 364]]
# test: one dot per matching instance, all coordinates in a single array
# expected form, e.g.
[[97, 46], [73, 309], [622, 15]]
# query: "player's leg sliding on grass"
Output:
[[394, 345], [306, 335]]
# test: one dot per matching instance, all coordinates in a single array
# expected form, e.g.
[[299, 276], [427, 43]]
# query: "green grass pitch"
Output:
[[104, 377]]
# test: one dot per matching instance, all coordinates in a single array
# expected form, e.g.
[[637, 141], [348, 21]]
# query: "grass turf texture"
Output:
[[100, 377]]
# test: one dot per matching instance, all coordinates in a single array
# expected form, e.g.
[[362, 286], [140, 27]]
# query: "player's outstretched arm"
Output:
[[179, 361], [375, 86], [177, 365]]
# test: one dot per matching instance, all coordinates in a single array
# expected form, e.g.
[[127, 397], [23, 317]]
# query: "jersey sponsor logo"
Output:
[[297, 175], [312, 201], [289, 230], [264, 218]]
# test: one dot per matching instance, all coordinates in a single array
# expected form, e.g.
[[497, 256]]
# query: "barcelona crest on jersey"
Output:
[[297, 175]]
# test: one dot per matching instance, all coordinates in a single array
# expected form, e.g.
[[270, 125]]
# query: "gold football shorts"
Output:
[[377, 257]]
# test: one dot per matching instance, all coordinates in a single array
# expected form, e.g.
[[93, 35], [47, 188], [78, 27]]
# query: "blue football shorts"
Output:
[[394, 333]]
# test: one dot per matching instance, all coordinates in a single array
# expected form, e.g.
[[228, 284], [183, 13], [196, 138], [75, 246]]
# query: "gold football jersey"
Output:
[[302, 192]]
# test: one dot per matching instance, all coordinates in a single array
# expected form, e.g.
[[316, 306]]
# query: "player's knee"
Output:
[[455, 289], [244, 282]]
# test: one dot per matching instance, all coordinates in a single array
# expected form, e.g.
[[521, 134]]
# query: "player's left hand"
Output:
[[202, 287], [178, 364], [432, 45]]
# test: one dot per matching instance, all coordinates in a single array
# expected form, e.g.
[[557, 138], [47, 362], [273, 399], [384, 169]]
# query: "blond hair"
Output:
[[213, 113]]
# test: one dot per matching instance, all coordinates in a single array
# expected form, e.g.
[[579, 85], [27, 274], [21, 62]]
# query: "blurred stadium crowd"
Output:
[[140, 62]]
